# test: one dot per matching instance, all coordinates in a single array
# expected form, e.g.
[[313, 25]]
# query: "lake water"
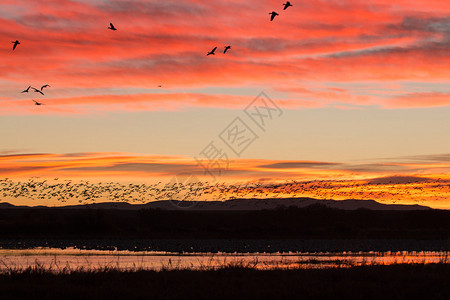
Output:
[[72, 259]]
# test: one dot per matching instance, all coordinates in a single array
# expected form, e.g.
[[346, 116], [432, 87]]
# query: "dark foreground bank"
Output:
[[367, 282], [313, 222]]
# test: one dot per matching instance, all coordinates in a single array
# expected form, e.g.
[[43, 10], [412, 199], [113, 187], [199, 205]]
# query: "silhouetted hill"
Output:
[[241, 205], [7, 205]]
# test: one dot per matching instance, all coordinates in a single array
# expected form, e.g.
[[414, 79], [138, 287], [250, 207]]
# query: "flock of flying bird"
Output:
[[40, 91], [85, 192], [274, 14], [112, 27]]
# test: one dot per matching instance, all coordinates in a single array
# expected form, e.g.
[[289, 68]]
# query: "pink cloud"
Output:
[[66, 43]]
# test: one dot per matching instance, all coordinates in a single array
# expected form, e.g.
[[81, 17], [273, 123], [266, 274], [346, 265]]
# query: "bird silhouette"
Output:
[[286, 5], [16, 42], [37, 103], [27, 89], [37, 91], [111, 26], [226, 49], [274, 14], [212, 51], [44, 86]]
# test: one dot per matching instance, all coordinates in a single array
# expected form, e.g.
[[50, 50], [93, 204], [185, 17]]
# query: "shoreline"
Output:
[[190, 245]]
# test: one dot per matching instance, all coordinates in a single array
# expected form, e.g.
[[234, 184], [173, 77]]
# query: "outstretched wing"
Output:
[[38, 91]]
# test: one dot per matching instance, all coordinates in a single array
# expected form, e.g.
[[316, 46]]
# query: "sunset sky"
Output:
[[348, 92]]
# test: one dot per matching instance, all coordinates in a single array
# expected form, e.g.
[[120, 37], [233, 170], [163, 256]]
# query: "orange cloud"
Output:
[[410, 180], [418, 100]]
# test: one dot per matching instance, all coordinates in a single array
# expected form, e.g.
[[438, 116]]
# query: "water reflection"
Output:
[[72, 259]]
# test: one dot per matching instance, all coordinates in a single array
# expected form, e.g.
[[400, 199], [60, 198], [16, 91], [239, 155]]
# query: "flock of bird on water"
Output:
[[272, 14]]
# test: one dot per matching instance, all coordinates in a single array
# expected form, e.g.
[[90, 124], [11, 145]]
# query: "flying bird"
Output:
[[37, 103], [274, 14], [226, 49], [111, 26], [286, 5], [44, 86], [37, 91], [27, 89], [211, 52], [16, 42]]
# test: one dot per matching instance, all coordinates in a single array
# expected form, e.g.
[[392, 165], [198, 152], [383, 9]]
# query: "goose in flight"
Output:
[[226, 49], [37, 91], [212, 51], [37, 103], [44, 86], [16, 42], [111, 26], [274, 14], [27, 89], [286, 5]]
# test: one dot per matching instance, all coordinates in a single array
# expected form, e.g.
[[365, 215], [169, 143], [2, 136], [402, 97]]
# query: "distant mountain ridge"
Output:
[[238, 205]]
